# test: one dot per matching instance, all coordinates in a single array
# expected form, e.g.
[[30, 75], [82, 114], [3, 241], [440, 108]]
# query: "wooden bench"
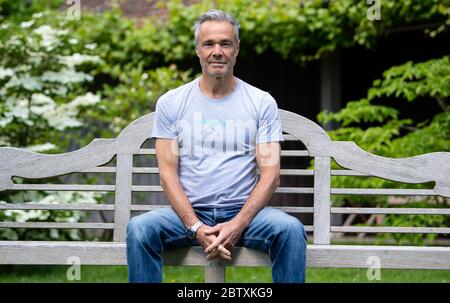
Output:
[[433, 167]]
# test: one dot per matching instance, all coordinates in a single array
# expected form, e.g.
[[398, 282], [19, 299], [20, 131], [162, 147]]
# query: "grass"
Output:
[[174, 274]]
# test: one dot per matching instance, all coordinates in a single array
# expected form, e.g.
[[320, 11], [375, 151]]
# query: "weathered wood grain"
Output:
[[56, 225], [123, 196], [322, 200], [107, 253], [39, 206], [383, 229], [388, 211]]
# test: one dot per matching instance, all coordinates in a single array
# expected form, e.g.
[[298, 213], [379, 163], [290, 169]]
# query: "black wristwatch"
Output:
[[191, 232]]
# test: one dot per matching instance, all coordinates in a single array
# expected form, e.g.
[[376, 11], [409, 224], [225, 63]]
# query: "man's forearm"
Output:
[[178, 199], [258, 198]]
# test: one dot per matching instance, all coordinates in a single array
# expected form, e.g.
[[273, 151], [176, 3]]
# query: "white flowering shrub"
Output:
[[40, 86], [44, 78], [32, 197]]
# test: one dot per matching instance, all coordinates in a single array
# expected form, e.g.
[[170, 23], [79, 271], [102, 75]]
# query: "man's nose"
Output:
[[217, 50]]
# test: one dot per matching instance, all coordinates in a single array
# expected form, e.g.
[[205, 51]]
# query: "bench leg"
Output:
[[215, 273]]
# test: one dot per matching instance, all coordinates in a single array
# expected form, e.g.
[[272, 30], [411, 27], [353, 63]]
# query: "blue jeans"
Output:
[[280, 235]]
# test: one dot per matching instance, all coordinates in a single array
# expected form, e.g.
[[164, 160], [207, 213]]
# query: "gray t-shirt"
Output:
[[217, 140]]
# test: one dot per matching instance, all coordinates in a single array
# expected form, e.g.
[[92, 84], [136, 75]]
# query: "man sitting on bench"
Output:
[[211, 135]]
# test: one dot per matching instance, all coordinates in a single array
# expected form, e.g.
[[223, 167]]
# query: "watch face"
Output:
[[190, 234]]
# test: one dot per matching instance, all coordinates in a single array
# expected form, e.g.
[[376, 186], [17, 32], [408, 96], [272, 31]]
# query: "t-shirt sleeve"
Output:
[[164, 124], [269, 124]]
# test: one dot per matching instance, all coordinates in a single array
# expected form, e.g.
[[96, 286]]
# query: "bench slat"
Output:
[[383, 191], [294, 153], [155, 170], [110, 253], [35, 206], [101, 169], [322, 200], [382, 229], [295, 190], [124, 180], [285, 171], [289, 190], [65, 225], [64, 187], [110, 207], [296, 172], [347, 172], [56, 225], [397, 211], [288, 209], [288, 137], [147, 188]]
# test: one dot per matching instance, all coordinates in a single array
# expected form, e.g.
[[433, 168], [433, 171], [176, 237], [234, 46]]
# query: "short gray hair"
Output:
[[216, 15]]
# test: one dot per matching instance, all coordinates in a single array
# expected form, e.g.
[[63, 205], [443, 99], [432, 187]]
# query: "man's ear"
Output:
[[196, 50], [236, 52]]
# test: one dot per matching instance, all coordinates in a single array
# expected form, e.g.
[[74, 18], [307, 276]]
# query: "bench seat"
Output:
[[113, 253]]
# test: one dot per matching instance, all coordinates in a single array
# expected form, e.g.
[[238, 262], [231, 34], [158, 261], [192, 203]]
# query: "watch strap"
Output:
[[196, 226]]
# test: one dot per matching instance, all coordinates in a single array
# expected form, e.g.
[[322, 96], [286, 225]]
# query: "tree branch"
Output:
[[442, 103]]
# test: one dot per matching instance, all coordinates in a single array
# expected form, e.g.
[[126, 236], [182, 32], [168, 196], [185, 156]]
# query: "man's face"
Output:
[[217, 48]]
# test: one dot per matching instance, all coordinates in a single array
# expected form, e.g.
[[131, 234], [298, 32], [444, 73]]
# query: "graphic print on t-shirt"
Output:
[[212, 136]]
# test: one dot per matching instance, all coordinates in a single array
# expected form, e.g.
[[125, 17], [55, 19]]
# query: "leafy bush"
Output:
[[298, 31]]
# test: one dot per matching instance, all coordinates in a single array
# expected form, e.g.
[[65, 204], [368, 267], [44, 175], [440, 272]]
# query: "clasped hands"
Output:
[[219, 239]]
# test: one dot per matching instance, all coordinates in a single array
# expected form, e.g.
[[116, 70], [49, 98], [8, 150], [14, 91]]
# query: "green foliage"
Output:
[[411, 81], [381, 130], [131, 77], [22, 10], [146, 87], [299, 32]]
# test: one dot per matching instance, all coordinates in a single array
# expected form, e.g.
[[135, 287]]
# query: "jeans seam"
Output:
[[264, 240], [168, 240], [254, 238]]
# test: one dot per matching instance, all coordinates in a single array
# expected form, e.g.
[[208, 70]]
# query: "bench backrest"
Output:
[[432, 167]]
